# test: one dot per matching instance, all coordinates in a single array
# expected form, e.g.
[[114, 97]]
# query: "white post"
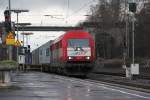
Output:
[[7, 78]]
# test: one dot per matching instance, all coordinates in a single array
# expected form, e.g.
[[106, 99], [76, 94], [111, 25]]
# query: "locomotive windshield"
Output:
[[78, 43]]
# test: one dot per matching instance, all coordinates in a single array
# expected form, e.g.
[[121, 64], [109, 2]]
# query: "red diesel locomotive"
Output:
[[72, 53]]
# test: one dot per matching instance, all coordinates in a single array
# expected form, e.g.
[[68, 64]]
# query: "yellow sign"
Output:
[[10, 39], [17, 43], [10, 36]]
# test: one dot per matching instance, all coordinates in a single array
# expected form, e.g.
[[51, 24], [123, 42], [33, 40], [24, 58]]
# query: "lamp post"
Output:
[[132, 8], [28, 48], [10, 47], [23, 48], [133, 43], [134, 67], [17, 12], [26, 43], [23, 25]]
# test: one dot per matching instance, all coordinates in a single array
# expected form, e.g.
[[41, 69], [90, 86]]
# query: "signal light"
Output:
[[7, 16], [28, 48], [7, 20], [132, 7]]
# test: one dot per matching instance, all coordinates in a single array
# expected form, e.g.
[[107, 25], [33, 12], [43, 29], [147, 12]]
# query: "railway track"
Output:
[[140, 83], [141, 76]]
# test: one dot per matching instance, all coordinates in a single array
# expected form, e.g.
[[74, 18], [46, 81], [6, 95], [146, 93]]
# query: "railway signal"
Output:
[[132, 7]]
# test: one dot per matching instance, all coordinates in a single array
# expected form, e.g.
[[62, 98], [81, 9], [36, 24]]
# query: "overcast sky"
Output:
[[64, 12]]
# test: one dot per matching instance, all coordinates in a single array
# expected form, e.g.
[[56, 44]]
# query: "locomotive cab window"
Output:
[[78, 43]]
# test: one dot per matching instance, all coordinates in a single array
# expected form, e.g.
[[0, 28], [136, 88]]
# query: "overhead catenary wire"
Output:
[[68, 4], [81, 8], [67, 11], [3, 7]]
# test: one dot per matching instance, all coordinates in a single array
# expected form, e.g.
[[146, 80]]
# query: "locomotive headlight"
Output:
[[87, 58], [69, 58], [78, 49]]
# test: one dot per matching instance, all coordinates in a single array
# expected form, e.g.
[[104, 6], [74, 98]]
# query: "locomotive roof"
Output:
[[70, 33]]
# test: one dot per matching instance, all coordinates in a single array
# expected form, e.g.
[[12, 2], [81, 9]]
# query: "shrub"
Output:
[[8, 64]]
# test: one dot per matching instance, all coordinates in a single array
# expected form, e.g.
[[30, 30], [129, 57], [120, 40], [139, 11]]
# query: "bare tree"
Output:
[[107, 14]]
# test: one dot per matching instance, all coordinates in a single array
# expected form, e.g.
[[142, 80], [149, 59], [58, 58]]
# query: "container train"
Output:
[[71, 54]]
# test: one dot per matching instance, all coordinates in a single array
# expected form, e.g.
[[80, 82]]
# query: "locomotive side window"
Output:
[[40, 52], [47, 51], [78, 43]]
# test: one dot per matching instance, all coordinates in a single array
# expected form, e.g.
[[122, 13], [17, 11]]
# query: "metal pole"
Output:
[[26, 40], [23, 53], [23, 39], [9, 7], [125, 36], [17, 25], [9, 47], [127, 31], [133, 30], [17, 46], [23, 69]]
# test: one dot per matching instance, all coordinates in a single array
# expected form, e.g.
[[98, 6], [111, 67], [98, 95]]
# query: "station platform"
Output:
[[43, 86]]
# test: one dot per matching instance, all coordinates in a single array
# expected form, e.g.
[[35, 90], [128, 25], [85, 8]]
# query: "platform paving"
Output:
[[42, 86]]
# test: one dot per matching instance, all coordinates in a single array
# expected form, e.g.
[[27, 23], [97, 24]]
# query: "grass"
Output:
[[8, 64]]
